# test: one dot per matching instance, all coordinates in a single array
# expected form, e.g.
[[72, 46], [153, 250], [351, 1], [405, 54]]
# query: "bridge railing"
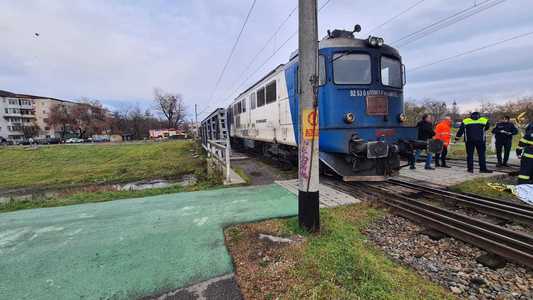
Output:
[[220, 151]]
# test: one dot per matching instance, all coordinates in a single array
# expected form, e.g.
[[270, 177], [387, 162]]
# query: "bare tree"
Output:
[[413, 112], [31, 130], [59, 117], [438, 109], [171, 106], [89, 117]]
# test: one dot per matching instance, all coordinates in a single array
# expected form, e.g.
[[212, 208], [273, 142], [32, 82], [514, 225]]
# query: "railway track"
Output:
[[511, 169], [507, 210], [398, 195]]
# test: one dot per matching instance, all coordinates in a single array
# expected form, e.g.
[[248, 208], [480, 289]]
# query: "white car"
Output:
[[74, 141]]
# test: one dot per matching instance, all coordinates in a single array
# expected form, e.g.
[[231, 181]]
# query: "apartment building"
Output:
[[18, 111]]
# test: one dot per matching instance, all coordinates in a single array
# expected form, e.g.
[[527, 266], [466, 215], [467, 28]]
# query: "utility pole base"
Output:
[[308, 211]]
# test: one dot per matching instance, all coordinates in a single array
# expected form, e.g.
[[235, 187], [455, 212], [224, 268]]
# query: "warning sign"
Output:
[[310, 125]]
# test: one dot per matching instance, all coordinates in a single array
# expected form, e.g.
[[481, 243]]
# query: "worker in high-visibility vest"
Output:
[[443, 132], [525, 151], [474, 129]]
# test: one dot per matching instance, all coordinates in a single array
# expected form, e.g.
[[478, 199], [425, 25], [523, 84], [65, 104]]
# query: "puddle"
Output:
[[186, 180]]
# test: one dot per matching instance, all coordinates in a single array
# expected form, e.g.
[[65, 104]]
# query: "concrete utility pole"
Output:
[[308, 160]]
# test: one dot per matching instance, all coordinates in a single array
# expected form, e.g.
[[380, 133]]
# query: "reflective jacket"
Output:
[[443, 131], [526, 143], [474, 129]]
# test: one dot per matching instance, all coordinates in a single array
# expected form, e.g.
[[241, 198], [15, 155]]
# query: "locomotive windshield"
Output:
[[351, 68], [391, 72]]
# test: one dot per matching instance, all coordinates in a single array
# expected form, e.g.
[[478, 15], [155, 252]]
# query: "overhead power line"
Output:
[[271, 56], [247, 68], [231, 52], [472, 51], [396, 16], [446, 22]]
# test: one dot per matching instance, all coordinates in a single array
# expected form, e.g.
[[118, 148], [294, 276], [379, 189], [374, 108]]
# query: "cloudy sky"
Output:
[[119, 51]]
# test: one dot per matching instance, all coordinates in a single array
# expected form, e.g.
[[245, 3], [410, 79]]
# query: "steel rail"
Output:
[[509, 169], [511, 245], [494, 207], [461, 160]]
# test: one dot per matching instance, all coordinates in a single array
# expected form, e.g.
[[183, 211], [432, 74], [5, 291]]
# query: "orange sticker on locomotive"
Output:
[[310, 125]]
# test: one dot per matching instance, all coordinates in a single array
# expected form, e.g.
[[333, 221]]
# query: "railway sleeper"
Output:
[[512, 245], [487, 243]]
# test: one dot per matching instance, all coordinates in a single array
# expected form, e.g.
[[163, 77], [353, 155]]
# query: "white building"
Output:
[[18, 111]]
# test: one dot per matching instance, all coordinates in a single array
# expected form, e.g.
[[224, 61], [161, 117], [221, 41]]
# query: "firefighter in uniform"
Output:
[[474, 129], [525, 151]]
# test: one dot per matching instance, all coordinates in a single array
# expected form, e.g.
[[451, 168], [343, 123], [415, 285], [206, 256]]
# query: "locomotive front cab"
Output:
[[361, 107]]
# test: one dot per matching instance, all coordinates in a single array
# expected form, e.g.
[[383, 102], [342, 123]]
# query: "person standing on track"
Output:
[[425, 133], [525, 152], [474, 130], [504, 132], [443, 132]]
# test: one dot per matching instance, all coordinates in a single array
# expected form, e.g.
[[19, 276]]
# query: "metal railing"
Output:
[[220, 151]]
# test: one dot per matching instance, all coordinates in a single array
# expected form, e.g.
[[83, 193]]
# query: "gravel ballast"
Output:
[[450, 262]]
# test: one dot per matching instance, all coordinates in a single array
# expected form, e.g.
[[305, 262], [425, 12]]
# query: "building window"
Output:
[[271, 94], [252, 101], [261, 97]]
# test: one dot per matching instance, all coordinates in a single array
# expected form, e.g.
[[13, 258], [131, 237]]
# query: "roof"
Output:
[[260, 80], [15, 95], [6, 94]]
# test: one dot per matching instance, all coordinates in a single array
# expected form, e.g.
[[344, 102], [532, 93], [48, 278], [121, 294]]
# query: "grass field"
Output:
[[480, 186], [339, 263], [70, 165]]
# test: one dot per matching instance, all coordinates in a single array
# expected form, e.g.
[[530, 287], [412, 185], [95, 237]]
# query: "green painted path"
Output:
[[127, 248]]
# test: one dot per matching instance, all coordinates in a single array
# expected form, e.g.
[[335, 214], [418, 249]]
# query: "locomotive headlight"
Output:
[[373, 41], [402, 118], [349, 118]]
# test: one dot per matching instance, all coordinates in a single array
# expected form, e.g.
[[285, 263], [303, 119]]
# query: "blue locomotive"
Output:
[[360, 105]]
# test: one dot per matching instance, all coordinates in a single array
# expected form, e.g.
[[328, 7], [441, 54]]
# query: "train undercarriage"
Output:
[[368, 161]]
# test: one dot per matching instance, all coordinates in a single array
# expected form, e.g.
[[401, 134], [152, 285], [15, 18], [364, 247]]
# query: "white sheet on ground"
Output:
[[525, 193]]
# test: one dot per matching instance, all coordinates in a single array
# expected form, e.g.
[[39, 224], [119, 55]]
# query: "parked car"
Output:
[[4, 142], [100, 139], [74, 141], [54, 141]]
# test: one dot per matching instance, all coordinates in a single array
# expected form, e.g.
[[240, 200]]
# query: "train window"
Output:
[[321, 70], [252, 101], [260, 97], [351, 68], [391, 72], [271, 93]]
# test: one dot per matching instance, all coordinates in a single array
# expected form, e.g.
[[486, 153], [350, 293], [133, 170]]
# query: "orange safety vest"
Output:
[[443, 132]]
